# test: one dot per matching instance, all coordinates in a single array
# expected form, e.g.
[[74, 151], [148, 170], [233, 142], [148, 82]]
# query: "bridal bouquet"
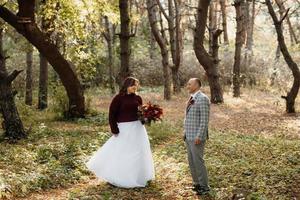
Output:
[[149, 112]]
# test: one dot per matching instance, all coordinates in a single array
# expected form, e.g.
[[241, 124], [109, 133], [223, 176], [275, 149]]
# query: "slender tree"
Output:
[[12, 124], [46, 22], [212, 23], [224, 20], [43, 83], [178, 52], [209, 64], [250, 19], [292, 94], [282, 10], [29, 78], [108, 35], [175, 39], [152, 45], [153, 15], [239, 40], [124, 41]]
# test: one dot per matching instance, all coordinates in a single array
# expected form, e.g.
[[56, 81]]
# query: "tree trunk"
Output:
[[224, 20], [278, 52], [282, 9], [238, 4], [249, 39], [172, 41], [25, 24], [176, 80], [124, 41], [13, 125], [215, 46], [43, 83], [212, 24], [162, 29], [292, 94], [153, 15], [152, 46], [175, 38], [1, 45], [29, 80], [246, 14], [109, 41], [293, 36], [206, 60], [179, 47], [43, 76]]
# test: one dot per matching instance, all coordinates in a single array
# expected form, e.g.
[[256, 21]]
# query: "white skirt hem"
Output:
[[126, 160]]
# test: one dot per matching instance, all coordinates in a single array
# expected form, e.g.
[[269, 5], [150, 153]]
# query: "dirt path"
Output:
[[256, 113]]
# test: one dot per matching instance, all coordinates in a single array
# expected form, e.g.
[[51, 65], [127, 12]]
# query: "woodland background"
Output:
[[61, 62]]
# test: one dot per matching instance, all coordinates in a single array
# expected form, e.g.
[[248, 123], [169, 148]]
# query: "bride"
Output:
[[125, 160]]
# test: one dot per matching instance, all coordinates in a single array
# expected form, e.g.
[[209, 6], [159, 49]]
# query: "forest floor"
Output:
[[253, 151]]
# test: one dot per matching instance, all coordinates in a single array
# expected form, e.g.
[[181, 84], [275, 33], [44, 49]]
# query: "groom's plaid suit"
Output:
[[197, 117], [196, 126]]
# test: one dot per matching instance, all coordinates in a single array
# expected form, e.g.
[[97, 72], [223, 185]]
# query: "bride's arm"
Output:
[[140, 100], [113, 112]]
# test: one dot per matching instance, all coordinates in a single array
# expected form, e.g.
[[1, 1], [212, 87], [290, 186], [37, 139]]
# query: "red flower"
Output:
[[191, 102], [150, 112]]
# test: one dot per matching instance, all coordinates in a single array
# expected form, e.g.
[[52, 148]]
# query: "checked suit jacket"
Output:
[[197, 118]]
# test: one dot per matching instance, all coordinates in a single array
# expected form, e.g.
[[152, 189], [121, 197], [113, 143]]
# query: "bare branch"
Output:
[[294, 11], [162, 10], [272, 12], [208, 28], [284, 16], [2, 5], [217, 32], [134, 30], [105, 35], [13, 75]]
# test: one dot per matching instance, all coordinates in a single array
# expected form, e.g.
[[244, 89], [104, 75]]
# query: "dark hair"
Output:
[[198, 81], [128, 82]]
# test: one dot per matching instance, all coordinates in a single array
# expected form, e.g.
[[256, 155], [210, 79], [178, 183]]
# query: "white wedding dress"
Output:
[[126, 160]]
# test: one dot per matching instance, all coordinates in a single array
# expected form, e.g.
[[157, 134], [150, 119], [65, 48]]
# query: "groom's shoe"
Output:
[[202, 191], [196, 187]]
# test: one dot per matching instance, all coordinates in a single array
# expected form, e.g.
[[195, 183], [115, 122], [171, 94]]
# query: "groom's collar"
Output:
[[194, 94]]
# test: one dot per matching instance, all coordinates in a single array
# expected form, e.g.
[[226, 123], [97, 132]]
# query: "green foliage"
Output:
[[160, 132], [100, 119], [50, 158], [261, 165], [258, 167], [253, 167], [60, 101]]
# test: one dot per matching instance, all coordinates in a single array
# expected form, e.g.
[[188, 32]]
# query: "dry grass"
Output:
[[256, 114]]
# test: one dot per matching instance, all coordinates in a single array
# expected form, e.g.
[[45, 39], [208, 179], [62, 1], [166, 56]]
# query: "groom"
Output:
[[196, 133]]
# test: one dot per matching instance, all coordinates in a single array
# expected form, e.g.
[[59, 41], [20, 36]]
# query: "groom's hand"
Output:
[[197, 141]]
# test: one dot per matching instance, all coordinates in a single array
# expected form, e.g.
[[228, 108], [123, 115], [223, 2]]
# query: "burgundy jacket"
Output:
[[123, 108]]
